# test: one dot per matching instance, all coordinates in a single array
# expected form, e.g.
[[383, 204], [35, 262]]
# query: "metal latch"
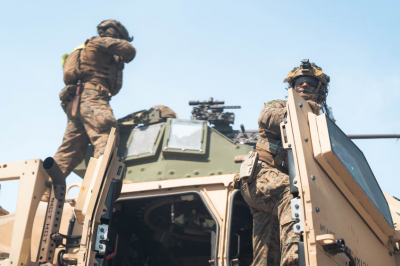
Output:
[[101, 238], [297, 214]]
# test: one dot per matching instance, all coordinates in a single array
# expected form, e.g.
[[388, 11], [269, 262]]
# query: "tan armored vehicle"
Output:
[[179, 206]]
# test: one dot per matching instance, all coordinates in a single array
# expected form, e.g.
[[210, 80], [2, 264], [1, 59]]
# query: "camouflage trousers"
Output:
[[92, 125], [274, 241]]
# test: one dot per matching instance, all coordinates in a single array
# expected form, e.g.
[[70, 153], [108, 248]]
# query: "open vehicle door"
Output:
[[86, 241], [343, 216]]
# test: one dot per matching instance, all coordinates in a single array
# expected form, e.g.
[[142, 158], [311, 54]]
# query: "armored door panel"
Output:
[[332, 206]]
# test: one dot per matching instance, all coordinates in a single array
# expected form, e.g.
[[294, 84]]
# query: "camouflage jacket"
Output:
[[269, 146], [102, 62], [270, 118], [114, 46]]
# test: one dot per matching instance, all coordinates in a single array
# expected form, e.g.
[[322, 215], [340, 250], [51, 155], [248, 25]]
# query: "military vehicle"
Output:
[[178, 204]]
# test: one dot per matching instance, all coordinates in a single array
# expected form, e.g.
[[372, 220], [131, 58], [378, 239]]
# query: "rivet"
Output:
[[298, 226], [296, 206], [102, 237], [159, 185], [390, 253], [306, 139], [313, 177], [301, 105], [33, 173], [101, 246], [296, 214], [289, 145], [42, 248], [10, 262], [295, 181], [34, 197], [317, 209]]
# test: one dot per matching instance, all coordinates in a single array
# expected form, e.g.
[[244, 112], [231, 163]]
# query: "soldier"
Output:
[[268, 194], [98, 65]]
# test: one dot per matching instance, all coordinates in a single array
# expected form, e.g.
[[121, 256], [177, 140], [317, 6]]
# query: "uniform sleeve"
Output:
[[116, 46], [272, 115]]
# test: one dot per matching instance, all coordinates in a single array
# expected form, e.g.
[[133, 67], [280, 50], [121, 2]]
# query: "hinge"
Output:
[[101, 238], [297, 214]]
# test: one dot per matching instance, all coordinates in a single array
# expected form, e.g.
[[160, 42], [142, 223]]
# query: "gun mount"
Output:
[[213, 112]]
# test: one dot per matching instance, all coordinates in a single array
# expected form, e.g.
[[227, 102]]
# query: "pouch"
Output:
[[67, 92]]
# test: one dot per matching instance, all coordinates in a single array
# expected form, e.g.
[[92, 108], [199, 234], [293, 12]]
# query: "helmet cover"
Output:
[[115, 24]]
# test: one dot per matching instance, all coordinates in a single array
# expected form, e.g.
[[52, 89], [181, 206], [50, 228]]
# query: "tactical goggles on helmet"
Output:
[[308, 84]]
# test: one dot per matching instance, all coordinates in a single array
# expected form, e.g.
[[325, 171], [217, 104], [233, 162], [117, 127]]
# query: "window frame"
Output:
[[328, 160], [147, 154], [204, 139]]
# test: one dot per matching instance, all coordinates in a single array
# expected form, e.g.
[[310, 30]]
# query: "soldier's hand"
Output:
[[315, 107]]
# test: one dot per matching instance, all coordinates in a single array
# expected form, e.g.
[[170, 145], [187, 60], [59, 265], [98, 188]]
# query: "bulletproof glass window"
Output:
[[186, 135], [143, 140], [356, 164], [240, 242]]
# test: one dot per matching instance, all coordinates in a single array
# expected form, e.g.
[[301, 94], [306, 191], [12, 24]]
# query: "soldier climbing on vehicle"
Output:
[[92, 75], [267, 190]]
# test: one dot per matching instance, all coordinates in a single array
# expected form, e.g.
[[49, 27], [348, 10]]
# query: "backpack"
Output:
[[70, 63]]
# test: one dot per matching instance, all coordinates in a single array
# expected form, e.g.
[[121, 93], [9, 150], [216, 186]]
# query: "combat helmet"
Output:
[[312, 70], [112, 23]]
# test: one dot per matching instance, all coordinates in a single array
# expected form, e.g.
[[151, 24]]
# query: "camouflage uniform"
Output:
[[268, 191], [274, 242], [95, 118]]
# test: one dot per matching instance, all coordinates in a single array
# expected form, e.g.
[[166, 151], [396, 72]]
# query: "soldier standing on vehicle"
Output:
[[92, 75], [268, 191]]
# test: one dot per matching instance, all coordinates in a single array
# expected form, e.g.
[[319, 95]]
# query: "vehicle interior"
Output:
[[167, 230], [177, 230]]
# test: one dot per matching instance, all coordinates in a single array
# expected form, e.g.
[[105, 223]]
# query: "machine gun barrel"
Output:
[[225, 107], [205, 102]]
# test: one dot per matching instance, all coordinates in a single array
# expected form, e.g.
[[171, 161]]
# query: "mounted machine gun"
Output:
[[213, 112]]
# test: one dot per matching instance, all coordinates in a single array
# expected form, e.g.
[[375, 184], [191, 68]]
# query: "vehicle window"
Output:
[[143, 139], [186, 135], [356, 164]]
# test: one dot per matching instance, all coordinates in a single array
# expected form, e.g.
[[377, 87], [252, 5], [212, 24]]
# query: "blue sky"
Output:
[[237, 51]]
